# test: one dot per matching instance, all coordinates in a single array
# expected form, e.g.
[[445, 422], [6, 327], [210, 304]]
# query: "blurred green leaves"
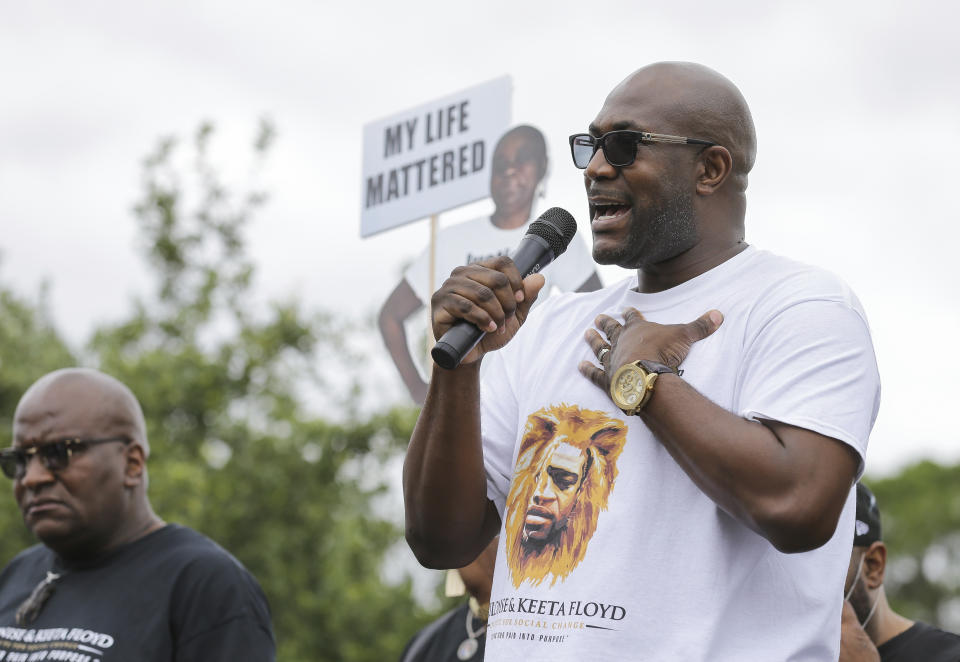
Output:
[[29, 347], [920, 517]]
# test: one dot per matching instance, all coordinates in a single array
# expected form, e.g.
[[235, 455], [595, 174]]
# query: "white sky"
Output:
[[857, 107]]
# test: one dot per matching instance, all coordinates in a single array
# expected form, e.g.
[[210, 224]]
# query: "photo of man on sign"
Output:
[[517, 176]]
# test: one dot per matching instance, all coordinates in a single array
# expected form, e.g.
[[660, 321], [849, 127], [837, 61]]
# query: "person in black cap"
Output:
[[871, 630]]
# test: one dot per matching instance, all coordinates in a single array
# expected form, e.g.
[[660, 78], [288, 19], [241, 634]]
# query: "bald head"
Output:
[[80, 401], [694, 101]]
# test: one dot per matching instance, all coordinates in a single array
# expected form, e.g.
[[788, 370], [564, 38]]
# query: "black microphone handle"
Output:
[[532, 255]]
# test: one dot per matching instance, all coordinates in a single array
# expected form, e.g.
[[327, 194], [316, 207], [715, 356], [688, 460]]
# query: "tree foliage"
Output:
[[29, 346], [235, 451], [920, 518]]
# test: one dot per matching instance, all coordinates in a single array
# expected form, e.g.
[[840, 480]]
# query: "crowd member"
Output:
[[871, 630], [517, 172], [460, 634], [645, 513], [110, 580]]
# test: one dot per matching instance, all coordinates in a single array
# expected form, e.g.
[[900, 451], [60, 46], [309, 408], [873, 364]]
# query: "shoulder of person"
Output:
[[37, 558], [922, 641], [421, 645], [195, 545], [210, 577], [201, 562], [932, 633], [780, 278], [778, 289], [216, 605], [33, 554]]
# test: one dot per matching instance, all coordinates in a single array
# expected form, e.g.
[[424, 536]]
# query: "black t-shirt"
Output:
[[921, 643], [439, 641], [173, 595]]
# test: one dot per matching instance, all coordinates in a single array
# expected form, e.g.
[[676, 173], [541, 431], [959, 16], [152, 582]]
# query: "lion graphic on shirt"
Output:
[[565, 471]]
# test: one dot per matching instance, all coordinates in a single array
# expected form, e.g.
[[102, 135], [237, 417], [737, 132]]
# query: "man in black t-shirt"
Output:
[[871, 630], [111, 582]]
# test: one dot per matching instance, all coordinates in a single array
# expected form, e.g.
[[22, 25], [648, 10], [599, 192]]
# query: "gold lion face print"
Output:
[[564, 475]]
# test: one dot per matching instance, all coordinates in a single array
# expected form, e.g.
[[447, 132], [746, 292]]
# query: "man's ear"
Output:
[[715, 165], [135, 472], [875, 565]]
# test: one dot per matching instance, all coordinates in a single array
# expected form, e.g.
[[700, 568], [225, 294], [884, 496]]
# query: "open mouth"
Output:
[[607, 211], [537, 518]]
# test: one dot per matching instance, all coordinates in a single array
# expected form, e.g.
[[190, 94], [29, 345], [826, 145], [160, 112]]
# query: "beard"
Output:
[[860, 600], [657, 233], [538, 543]]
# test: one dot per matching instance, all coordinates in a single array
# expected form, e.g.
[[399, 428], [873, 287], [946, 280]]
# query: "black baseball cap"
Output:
[[867, 529]]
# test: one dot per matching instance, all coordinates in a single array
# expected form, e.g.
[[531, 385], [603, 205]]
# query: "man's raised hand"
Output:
[[489, 294]]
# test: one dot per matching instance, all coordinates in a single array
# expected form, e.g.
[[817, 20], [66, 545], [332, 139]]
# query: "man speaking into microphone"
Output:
[[667, 459]]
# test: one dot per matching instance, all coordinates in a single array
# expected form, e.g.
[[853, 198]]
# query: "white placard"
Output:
[[431, 158]]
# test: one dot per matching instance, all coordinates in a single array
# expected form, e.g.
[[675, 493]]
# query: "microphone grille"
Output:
[[556, 226]]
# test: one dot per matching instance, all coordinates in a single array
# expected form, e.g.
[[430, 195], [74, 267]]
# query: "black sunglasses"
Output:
[[55, 455], [620, 147]]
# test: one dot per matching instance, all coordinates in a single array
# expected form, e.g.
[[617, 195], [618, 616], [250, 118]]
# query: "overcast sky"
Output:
[[857, 108]]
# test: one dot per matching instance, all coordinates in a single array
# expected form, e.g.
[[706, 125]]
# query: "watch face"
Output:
[[627, 387]]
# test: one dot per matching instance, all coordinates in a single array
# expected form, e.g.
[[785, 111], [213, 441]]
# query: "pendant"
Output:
[[467, 649]]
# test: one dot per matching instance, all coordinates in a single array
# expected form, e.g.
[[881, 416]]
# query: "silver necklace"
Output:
[[468, 647]]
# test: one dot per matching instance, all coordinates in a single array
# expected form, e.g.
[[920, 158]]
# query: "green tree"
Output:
[[920, 513], [29, 347]]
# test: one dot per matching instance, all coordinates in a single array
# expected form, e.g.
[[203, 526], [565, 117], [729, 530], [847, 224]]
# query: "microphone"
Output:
[[546, 240]]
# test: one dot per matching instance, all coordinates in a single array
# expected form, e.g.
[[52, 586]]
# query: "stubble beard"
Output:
[[669, 230], [538, 544], [860, 600]]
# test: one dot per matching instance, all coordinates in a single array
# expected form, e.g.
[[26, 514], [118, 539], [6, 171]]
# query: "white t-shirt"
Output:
[[648, 567], [479, 239]]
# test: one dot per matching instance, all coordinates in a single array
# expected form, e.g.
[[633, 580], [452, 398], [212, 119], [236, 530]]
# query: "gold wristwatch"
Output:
[[632, 384]]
